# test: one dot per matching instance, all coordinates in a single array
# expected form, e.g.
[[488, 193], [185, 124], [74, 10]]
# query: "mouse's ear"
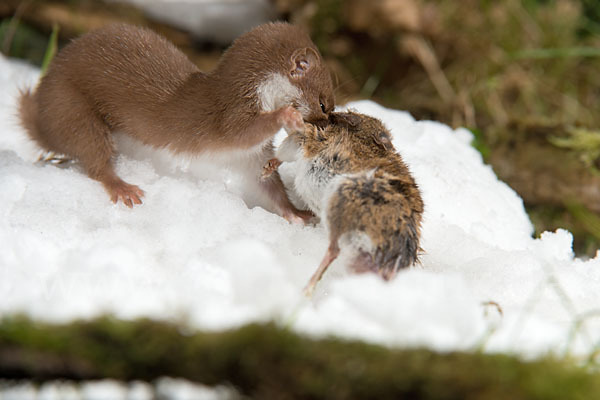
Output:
[[385, 140], [302, 61], [347, 118]]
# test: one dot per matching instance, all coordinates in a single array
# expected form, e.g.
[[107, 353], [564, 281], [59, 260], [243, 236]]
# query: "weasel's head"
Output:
[[310, 75], [283, 65], [304, 83]]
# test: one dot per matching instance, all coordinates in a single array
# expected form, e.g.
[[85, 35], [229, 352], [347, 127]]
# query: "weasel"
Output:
[[351, 176], [129, 79]]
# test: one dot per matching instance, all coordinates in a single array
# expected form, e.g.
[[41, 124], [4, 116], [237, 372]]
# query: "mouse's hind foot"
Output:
[[300, 217]]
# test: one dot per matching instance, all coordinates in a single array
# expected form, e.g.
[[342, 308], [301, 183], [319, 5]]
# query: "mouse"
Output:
[[351, 176], [129, 79]]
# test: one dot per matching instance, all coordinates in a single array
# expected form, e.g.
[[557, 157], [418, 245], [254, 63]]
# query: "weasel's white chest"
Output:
[[276, 91]]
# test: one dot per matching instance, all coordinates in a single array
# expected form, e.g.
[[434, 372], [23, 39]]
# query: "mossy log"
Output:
[[266, 361]]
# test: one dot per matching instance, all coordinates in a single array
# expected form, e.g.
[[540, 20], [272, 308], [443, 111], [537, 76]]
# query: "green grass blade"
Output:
[[51, 49], [590, 221]]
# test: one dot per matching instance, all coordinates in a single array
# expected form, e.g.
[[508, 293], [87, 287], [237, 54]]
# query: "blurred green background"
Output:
[[521, 75]]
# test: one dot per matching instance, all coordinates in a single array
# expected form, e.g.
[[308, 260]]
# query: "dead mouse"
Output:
[[130, 79], [351, 176]]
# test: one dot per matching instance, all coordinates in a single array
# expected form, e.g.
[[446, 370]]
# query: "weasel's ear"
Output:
[[302, 61]]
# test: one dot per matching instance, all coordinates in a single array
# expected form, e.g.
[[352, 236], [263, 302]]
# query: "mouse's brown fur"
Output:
[[354, 142], [132, 80], [364, 189], [381, 209]]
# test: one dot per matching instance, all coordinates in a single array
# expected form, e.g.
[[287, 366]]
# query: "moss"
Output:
[[583, 141], [266, 361]]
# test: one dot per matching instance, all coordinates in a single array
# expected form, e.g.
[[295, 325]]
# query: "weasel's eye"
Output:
[[323, 108]]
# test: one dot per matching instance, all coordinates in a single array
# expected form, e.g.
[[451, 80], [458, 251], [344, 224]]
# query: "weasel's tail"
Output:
[[29, 116]]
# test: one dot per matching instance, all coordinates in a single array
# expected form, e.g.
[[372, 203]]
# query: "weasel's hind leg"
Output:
[[70, 126], [95, 151]]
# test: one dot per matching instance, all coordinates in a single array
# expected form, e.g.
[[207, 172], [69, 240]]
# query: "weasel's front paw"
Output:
[[291, 119]]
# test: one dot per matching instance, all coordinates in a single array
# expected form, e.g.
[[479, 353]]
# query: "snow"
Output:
[[195, 253], [220, 21], [164, 388]]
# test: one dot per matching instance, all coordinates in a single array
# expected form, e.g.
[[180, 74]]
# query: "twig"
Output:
[[12, 26], [495, 305], [422, 51]]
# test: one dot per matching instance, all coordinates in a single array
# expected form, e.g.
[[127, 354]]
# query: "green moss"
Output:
[[585, 142], [265, 361], [479, 143]]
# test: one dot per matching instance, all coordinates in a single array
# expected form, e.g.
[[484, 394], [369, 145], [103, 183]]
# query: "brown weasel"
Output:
[[351, 176], [130, 79]]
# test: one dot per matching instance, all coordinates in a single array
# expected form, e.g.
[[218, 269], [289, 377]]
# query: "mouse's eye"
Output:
[[323, 107]]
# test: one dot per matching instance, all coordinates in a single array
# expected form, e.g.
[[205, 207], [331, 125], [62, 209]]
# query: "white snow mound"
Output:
[[195, 252]]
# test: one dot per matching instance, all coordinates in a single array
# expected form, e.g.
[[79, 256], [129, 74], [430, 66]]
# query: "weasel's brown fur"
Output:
[[132, 80]]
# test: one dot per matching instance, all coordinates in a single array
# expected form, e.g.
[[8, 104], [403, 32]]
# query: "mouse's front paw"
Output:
[[291, 119], [270, 167]]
